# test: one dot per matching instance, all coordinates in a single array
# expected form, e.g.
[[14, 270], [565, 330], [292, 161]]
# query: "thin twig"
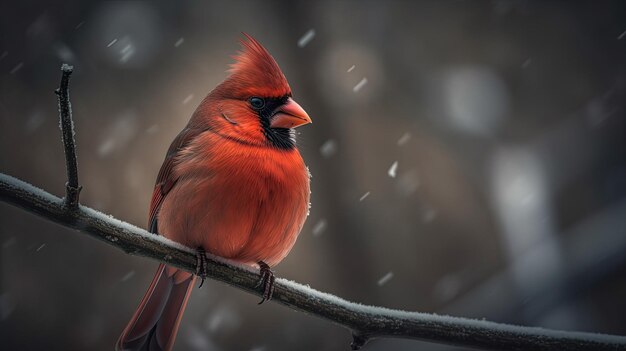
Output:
[[365, 322], [358, 341], [66, 124]]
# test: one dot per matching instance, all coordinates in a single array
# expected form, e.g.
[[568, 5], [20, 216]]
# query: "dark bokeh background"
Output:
[[506, 120]]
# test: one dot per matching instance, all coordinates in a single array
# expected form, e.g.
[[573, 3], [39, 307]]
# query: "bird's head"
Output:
[[254, 104]]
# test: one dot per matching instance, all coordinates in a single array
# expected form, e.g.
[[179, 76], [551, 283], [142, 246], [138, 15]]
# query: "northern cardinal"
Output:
[[233, 183]]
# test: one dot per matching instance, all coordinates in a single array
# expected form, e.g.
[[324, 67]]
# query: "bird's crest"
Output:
[[255, 72]]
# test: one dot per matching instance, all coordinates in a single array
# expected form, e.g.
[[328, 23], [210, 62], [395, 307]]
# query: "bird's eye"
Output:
[[257, 103]]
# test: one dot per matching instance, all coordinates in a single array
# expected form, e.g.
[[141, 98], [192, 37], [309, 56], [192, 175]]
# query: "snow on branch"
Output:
[[365, 322]]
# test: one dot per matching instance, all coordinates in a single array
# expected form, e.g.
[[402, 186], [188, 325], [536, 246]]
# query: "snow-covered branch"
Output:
[[365, 322]]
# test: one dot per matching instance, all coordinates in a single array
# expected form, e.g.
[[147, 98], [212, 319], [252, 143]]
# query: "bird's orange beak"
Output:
[[289, 115]]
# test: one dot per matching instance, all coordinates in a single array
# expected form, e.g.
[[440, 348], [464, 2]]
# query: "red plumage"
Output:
[[232, 183]]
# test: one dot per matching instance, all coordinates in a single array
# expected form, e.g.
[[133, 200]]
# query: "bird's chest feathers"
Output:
[[260, 174], [247, 204], [232, 164]]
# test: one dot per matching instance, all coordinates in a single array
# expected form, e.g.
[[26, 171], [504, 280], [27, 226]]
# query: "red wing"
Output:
[[166, 180]]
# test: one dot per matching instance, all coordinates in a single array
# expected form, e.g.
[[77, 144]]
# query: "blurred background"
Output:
[[468, 158]]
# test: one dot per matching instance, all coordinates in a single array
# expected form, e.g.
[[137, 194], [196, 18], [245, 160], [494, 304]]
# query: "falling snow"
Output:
[[187, 99], [329, 148], [306, 38], [621, 35], [179, 42], [127, 52], [120, 133], [17, 68], [364, 196], [359, 85], [385, 279], [393, 169], [527, 63], [112, 42], [404, 139], [4, 54], [319, 227], [351, 68], [127, 276], [40, 247]]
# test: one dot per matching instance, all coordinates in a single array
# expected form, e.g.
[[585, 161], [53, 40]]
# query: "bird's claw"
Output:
[[201, 265], [267, 281]]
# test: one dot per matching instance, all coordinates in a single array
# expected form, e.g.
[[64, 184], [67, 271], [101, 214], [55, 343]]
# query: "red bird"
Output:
[[233, 184]]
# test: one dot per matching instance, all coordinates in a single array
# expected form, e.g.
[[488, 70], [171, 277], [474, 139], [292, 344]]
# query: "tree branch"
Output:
[[365, 322], [72, 189]]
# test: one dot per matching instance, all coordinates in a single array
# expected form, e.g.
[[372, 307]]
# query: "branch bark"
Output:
[[365, 322], [72, 189]]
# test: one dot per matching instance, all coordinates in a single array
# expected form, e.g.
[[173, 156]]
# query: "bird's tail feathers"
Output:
[[154, 325]]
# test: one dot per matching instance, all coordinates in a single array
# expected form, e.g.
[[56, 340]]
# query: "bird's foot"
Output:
[[267, 281], [201, 265]]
